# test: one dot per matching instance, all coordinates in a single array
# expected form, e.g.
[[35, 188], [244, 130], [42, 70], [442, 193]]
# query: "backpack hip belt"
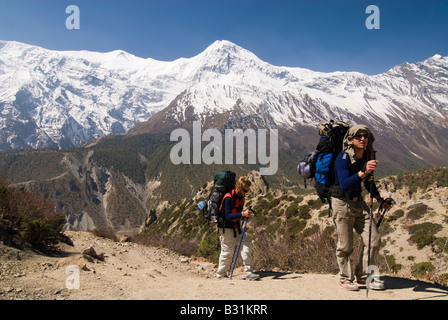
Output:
[[337, 192]]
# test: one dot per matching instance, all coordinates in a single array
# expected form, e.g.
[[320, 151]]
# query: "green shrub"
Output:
[[261, 207], [315, 204], [295, 226], [304, 212], [422, 240], [423, 234], [292, 210], [324, 213], [397, 214], [417, 211], [209, 247], [38, 232], [392, 263], [426, 228], [311, 230], [422, 269], [30, 215]]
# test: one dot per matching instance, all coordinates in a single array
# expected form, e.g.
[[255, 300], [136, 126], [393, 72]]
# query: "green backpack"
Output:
[[224, 182]]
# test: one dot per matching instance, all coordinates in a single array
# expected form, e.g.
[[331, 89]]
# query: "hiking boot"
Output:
[[251, 276], [374, 285], [348, 285], [221, 277]]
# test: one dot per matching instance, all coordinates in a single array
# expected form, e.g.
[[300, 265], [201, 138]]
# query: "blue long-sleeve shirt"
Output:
[[228, 210], [346, 176]]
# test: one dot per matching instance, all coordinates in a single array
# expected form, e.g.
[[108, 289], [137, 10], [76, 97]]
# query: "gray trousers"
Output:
[[351, 215]]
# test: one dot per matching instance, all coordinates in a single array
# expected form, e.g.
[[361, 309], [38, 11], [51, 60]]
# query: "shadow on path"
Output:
[[438, 290], [275, 275]]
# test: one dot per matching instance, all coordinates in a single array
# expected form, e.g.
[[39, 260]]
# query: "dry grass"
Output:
[[313, 253], [175, 243]]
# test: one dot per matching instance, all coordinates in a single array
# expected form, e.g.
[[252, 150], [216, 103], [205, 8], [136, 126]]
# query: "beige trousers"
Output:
[[351, 215], [228, 245]]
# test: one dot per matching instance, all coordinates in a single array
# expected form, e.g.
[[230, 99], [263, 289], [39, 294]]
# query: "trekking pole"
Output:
[[250, 208], [381, 217], [231, 263], [239, 247], [373, 157], [234, 261], [390, 201]]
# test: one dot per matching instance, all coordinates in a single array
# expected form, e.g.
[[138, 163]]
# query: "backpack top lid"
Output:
[[225, 178], [323, 129], [332, 135], [333, 129]]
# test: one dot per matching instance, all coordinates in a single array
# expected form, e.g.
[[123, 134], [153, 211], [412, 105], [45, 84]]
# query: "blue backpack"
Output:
[[323, 174], [321, 164]]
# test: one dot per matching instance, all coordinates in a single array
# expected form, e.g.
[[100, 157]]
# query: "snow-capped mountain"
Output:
[[64, 99]]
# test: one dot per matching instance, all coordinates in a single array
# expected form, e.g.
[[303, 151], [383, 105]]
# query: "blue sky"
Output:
[[321, 35]]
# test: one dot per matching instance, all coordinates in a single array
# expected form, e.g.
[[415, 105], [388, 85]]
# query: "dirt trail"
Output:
[[134, 272]]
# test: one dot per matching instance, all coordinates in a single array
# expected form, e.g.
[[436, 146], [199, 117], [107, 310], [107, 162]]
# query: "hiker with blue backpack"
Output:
[[232, 238], [354, 167]]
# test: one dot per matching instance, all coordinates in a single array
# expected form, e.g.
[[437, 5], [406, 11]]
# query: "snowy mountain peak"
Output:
[[222, 44], [66, 98], [223, 56], [221, 47], [439, 60], [438, 57], [224, 47]]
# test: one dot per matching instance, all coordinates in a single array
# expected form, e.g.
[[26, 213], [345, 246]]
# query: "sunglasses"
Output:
[[360, 136]]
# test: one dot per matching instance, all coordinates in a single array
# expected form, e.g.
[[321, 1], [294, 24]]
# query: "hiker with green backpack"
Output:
[[232, 237], [353, 167]]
